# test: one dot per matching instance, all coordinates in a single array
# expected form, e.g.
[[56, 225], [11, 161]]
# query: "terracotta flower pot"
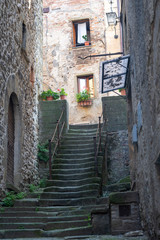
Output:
[[63, 97], [123, 92], [50, 98], [86, 43]]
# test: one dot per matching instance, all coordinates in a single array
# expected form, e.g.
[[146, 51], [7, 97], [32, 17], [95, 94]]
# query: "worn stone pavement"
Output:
[[104, 237]]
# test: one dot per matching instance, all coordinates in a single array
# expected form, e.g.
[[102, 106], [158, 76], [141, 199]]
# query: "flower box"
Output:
[[85, 103]]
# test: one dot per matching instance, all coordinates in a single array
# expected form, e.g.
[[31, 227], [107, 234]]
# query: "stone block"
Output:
[[124, 197]]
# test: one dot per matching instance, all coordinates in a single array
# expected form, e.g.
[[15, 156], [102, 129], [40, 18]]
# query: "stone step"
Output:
[[72, 189], [80, 134], [68, 202], [65, 145], [84, 137], [27, 202], [76, 151], [76, 176], [19, 226], [21, 233], [71, 183], [73, 165], [38, 233], [27, 214], [60, 209], [87, 230], [25, 219], [73, 171], [62, 161], [66, 224], [66, 141], [83, 126], [67, 195], [93, 130], [75, 156]]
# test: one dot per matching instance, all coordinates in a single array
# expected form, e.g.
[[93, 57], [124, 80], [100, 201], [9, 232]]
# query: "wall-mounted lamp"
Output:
[[112, 18]]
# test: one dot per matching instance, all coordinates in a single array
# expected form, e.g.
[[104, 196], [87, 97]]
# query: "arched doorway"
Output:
[[14, 129], [11, 139]]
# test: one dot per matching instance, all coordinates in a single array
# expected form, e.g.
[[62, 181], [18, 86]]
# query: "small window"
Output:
[[124, 210], [86, 82], [24, 33], [80, 29]]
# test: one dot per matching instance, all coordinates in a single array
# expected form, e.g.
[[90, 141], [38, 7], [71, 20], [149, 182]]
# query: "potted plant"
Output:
[[83, 98], [62, 93], [122, 91], [86, 40], [49, 95]]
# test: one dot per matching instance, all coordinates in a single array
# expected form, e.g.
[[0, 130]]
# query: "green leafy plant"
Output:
[[62, 92], [85, 37], [8, 200], [21, 195], [32, 188], [49, 93], [43, 152], [82, 96], [42, 183]]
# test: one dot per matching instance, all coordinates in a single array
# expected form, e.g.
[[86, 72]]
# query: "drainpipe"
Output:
[[121, 41]]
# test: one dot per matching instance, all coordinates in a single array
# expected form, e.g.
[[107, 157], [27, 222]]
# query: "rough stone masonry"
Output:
[[20, 78]]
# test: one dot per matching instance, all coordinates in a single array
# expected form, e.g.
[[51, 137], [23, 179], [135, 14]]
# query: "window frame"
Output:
[[74, 27], [87, 78]]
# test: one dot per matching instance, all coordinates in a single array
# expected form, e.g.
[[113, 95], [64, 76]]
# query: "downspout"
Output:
[[119, 15]]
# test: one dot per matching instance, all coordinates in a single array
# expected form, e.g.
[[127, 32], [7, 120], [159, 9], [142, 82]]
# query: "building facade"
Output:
[[141, 24], [64, 25], [20, 78]]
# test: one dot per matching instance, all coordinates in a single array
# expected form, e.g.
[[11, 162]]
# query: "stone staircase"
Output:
[[64, 207]]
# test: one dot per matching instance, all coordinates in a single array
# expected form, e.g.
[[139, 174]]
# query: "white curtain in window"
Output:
[[82, 30], [82, 84]]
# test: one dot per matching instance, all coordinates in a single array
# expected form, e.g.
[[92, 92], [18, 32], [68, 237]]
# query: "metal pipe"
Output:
[[50, 160], [95, 157], [101, 55], [100, 133], [58, 132]]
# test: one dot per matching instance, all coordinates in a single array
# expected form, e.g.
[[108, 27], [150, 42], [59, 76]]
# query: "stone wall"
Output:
[[115, 113], [62, 64], [20, 78], [117, 156], [117, 151], [49, 113], [141, 23]]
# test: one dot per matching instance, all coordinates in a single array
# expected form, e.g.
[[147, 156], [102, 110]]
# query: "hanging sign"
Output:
[[113, 74]]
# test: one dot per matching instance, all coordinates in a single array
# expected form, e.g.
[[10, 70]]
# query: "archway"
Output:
[[11, 139], [14, 146]]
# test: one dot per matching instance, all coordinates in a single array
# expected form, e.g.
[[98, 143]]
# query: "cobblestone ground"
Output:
[[105, 237]]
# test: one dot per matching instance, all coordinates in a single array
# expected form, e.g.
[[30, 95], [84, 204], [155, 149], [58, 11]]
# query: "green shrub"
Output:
[[10, 197], [32, 188], [82, 96], [43, 152], [49, 93], [42, 183]]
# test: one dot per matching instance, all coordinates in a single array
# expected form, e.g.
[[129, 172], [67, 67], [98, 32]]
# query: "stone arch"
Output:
[[13, 103]]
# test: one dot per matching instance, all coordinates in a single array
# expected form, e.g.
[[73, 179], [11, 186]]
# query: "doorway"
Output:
[[11, 139]]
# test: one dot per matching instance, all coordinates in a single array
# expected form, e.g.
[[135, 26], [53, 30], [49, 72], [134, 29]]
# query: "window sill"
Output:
[[78, 47]]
